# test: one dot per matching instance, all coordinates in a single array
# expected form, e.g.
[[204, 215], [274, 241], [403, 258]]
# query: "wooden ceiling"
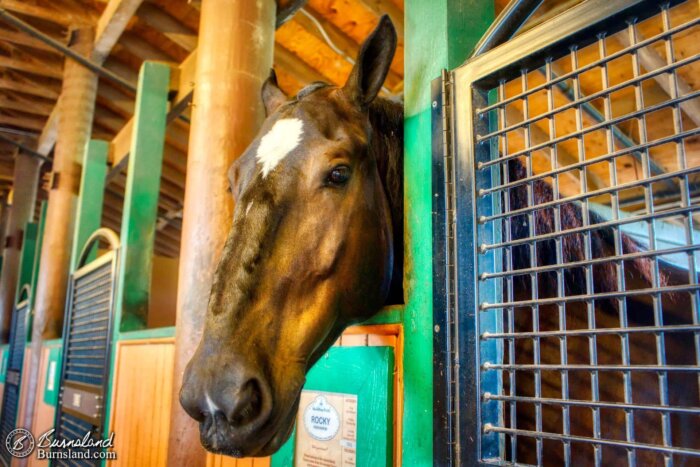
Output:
[[318, 43]]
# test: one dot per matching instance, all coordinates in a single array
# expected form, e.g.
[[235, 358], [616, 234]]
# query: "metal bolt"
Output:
[[434, 104], [482, 248], [437, 328]]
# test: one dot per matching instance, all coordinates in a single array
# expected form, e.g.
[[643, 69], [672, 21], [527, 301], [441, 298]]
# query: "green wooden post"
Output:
[[26, 261], [140, 208], [439, 34], [37, 256], [141, 196], [90, 201]]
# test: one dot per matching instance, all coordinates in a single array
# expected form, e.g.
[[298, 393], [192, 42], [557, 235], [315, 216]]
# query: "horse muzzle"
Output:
[[233, 408]]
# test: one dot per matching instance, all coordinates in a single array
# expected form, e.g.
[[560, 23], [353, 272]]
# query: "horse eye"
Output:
[[339, 175]]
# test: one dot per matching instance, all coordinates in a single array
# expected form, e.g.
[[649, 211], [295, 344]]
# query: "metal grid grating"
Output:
[[71, 428], [86, 352], [87, 334], [15, 362], [599, 312]]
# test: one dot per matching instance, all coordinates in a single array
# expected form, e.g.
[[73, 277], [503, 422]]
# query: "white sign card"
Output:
[[326, 430]]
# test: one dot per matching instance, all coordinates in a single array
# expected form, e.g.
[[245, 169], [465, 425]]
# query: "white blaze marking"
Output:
[[247, 209], [277, 143], [212, 406]]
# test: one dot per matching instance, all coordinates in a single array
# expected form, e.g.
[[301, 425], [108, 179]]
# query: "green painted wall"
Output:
[[368, 373], [90, 201], [141, 196], [438, 34], [37, 256]]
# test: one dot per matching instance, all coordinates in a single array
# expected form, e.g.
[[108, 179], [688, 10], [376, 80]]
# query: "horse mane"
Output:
[[571, 217], [386, 119]]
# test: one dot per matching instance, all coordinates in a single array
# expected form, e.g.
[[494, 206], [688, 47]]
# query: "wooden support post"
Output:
[[26, 181], [92, 191], [226, 115], [77, 105]]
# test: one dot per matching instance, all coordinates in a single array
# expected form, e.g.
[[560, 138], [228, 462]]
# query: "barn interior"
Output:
[[319, 43]]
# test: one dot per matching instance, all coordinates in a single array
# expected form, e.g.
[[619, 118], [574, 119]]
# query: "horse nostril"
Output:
[[191, 405], [248, 405]]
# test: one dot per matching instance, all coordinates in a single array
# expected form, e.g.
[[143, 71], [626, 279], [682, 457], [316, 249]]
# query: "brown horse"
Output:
[[310, 251], [315, 245]]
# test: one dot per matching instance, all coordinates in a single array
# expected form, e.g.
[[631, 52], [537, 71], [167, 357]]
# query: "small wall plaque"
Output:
[[326, 430]]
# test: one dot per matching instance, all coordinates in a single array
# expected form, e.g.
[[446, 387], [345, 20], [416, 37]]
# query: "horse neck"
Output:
[[386, 118]]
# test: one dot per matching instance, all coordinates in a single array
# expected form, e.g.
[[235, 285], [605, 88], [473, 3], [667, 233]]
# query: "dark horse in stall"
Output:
[[316, 245]]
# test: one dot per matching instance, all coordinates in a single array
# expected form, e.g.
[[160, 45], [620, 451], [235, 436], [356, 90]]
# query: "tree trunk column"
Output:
[[234, 57], [77, 105], [25, 183]]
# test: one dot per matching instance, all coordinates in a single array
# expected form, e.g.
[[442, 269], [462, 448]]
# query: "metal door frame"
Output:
[[460, 412], [84, 269]]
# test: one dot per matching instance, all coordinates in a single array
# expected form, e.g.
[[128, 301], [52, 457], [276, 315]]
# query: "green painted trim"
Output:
[[26, 262], [140, 208], [367, 372], [53, 372], [92, 189], [154, 333], [37, 256], [439, 34], [388, 315], [141, 196], [4, 356]]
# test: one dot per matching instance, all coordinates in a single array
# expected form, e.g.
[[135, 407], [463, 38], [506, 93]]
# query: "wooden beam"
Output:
[[184, 76], [296, 67], [111, 25], [651, 60], [29, 89], [170, 27], [63, 16], [381, 7], [26, 106], [143, 49], [22, 122], [47, 71], [310, 20], [24, 39]]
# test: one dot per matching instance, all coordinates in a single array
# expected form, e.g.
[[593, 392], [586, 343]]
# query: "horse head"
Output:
[[310, 251]]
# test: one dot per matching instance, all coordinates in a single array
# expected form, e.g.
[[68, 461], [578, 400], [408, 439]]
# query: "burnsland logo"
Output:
[[20, 443]]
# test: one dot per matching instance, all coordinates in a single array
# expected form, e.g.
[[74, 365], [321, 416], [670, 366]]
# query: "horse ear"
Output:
[[372, 66], [272, 95]]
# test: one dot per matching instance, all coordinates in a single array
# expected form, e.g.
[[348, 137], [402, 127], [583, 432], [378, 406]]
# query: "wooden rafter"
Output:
[[168, 26], [110, 27], [27, 88], [32, 67], [63, 16], [22, 122], [31, 106], [23, 39]]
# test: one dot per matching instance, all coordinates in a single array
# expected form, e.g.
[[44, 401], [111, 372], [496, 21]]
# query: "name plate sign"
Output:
[[326, 430]]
